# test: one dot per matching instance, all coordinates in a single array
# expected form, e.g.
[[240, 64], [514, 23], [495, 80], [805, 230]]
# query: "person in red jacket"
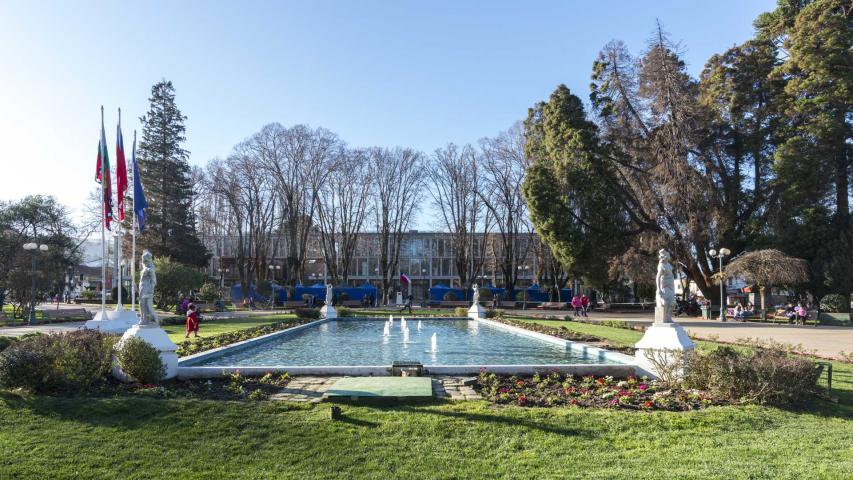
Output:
[[192, 321], [584, 304]]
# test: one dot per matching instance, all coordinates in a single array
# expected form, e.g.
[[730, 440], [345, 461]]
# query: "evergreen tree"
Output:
[[169, 220], [814, 163]]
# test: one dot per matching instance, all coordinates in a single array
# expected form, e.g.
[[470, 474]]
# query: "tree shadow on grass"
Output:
[[495, 419], [121, 413]]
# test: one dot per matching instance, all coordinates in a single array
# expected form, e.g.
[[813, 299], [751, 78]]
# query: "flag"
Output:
[[102, 176], [405, 278], [121, 173], [139, 203]]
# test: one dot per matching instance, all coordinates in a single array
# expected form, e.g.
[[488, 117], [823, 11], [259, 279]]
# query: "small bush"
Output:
[[344, 311], [67, 362], [764, 375], [140, 360], [5, 342], [493, 313], [835, 303], [307, 313], [450, 297], [88, 294], [208, 292], [125, 294], [485, 294], [617, 324], [460, 312]]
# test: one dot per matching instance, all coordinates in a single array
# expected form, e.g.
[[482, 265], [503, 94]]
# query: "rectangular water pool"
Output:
[[360, 342]]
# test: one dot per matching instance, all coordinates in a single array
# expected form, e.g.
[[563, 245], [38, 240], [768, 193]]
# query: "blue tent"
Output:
[[237, 293], [438, 291]]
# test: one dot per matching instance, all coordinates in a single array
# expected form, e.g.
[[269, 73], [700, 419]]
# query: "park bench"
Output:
[[294, 304], [351, 303], [554, 305], [506, 304], [454, 303], [67, 314]]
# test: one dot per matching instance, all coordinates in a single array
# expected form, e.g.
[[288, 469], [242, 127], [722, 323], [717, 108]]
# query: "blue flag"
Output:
[[139, 203]]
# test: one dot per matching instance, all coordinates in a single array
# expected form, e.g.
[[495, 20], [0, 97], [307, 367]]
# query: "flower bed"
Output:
[[555, 389], [567, 334], [208, 343]]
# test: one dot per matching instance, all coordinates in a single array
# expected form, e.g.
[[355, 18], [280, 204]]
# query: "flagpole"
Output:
[[103, 232], [133, 234], [119, 232]]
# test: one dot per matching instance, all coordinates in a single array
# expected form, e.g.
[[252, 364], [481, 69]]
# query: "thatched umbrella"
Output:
[[768, 268]]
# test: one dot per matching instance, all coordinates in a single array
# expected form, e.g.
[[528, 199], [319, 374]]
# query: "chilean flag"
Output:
[[405, 279], [121, 172]]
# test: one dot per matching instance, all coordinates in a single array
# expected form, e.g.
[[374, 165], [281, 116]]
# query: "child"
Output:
[[192, 321]]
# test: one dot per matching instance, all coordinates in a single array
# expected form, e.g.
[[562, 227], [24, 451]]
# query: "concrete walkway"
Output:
[[825, 341]]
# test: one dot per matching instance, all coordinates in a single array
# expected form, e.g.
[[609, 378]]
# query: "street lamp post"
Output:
[[34, 250], [723, 252]]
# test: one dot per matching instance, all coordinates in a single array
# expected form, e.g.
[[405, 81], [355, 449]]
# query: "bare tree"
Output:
[[341, 211], [503, 166], [398, 178], [299, 160], [454, 181]]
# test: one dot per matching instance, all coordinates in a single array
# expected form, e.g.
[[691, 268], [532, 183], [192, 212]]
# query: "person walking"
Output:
[[192, 321], [584, 305], [407, 305]]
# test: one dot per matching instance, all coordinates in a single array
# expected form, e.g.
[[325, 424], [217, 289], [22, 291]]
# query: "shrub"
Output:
[[342, 297], [208, 292], [493, 313], [140, 360], [765, 374], [344, 311], [835, 303], [449, 297], [460, 312], [88, 294], [5, 342], [485, 294], [125, 294], [66, 362], [307, 313]]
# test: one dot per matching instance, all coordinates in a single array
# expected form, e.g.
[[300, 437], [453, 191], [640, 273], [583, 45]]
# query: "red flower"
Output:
[[648, 404], [519, 383], [574, 401], [600, 381], [522, 399]]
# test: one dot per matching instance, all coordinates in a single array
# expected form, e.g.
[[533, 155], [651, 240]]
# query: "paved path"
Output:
[[825, 341], [44, 328]]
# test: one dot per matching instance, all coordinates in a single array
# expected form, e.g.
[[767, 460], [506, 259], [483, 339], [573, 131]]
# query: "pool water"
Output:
[[360, 342]]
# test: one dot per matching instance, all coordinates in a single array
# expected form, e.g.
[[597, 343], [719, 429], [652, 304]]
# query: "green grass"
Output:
[[215, 327], [45, 437]]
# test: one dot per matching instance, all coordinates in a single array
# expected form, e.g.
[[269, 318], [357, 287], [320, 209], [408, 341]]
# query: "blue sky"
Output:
[[417, 74]]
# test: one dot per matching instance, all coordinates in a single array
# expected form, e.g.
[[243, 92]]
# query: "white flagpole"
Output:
[[119, 232], [103, 228], [133, 230]]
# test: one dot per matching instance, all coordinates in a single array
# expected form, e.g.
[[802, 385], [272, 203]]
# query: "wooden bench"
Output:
[[507, 304], [295, 304], [67, 314], [554, 305], [351, 303], [454, 303]]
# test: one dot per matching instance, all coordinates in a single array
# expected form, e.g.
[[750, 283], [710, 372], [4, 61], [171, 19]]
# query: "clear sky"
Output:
[[388, 73]]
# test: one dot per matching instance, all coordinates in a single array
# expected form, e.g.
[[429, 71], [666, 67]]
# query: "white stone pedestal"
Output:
[[120, 313], [158, 338], [107, 321], [328, 311], [476, 312], [669, 340]]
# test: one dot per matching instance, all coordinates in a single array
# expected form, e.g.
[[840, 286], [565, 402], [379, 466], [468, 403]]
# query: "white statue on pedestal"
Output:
[[147, 282], [665, 283], [664, 341], [148, 328], [328, 311], [329, 294], [476, 312]]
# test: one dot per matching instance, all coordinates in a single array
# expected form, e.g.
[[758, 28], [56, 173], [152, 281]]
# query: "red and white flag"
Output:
[[405, 278]]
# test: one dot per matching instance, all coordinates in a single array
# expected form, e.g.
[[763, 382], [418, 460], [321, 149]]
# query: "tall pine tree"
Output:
[[170, 223]]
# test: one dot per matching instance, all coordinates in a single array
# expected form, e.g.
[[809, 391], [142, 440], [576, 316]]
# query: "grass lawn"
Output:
[[45, 437], [216, 327]]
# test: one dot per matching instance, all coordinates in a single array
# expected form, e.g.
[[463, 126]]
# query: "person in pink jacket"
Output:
[[577, 305]]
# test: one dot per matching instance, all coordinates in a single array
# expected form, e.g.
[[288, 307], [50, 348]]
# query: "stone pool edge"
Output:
[[625, 367]]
